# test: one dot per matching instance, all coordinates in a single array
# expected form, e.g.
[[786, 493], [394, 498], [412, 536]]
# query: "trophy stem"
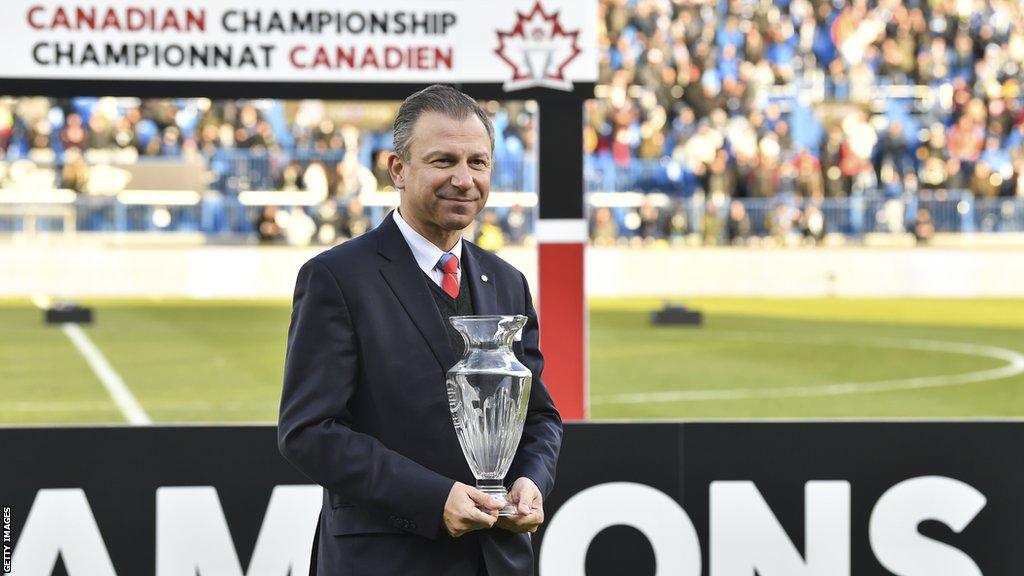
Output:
[[496, 489]]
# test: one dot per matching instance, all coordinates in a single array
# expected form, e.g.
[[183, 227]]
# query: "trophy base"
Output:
[[495, 489]]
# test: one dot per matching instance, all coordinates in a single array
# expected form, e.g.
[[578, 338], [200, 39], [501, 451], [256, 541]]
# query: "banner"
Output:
[[718, 499], [518, 43]]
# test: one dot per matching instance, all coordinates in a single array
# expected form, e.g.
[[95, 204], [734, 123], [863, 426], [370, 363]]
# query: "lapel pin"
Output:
[[483, 277]]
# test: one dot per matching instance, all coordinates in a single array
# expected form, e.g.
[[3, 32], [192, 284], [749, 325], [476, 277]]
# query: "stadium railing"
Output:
[[213, 213]]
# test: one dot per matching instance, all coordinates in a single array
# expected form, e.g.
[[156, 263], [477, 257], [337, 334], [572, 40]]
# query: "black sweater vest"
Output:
[[448, 307]]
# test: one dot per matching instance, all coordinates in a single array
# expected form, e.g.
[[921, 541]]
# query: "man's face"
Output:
[[445, 181]]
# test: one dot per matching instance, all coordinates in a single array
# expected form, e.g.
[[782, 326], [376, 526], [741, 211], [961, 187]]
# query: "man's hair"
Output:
[[440, 99]]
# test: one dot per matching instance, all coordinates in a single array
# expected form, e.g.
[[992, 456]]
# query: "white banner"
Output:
[[518, 43]]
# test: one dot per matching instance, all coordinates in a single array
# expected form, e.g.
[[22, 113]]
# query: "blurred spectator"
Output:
[[890, 217], [267, 228], [248, 133], [75, 174], [712, 224], [516, 226], [355, 221], [6, 129], [812, 224], [738, 227], [74, 135], [299, 228], [603, 229], [290, 179], [380, 169], [836, 182], [720, 175], [329, 222], [984, 182], [893, 148], [170, 144], [314, 179], [855, 154], [933, 158], [677, 223], [782, 222], [650, 221], [101, 133], [808, 175], [966, 139], [489, 235], [1019, 175], [924, 229]]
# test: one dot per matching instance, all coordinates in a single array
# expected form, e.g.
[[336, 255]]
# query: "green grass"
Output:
[[185, 361], [221, 361], [43, 378], [198, 362], [761, 344]]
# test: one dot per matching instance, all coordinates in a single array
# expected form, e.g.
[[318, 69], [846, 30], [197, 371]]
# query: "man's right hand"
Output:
[[469, 509]]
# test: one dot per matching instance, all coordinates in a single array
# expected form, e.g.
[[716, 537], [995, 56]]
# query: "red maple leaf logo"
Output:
[[538, 49]]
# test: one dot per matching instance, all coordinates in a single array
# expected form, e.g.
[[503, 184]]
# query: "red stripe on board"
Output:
[[563, 313]]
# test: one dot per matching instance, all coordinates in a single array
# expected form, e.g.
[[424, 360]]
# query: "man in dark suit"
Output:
[[364, 409]]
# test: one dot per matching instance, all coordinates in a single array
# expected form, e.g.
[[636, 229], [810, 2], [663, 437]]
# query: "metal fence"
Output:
[[224, 215]]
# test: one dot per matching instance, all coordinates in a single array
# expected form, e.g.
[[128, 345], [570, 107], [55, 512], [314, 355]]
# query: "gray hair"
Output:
[[442, 100]]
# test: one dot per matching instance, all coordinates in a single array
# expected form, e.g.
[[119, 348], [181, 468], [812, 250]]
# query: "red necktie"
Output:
[[449, 264]]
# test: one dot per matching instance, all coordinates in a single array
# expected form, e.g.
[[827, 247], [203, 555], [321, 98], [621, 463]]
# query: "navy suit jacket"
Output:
[[364, 410]]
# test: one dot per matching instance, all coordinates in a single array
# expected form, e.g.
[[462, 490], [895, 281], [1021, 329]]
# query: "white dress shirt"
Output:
[[426, 253]]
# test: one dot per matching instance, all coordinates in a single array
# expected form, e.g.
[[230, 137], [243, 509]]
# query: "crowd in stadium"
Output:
[[744, 118], [729, 98], [813, 99]]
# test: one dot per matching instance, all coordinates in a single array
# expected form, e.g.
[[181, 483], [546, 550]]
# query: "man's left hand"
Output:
[[526, 497]]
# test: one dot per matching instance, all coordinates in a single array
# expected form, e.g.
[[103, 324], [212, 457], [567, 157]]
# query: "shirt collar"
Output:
[[425, 252]]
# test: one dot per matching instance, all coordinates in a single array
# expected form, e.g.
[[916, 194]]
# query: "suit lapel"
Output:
[[405, 279], [485, 299]]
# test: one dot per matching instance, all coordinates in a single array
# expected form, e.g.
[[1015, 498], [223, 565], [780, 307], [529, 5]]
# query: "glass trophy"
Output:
[[488, 393]]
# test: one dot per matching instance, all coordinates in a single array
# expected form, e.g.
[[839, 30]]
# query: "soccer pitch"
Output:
[[221, 361]]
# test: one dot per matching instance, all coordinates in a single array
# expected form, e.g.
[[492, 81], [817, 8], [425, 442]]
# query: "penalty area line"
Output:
[[111, 380]]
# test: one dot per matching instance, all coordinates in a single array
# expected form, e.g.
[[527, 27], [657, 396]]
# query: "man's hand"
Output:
[[526, 497], [469, 509]]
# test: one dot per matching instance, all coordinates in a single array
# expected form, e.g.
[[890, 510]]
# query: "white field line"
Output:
[[111, 380], [1014, 366]]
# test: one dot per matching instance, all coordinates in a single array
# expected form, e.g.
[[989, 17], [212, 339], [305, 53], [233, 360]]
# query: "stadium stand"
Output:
[[715, 122]]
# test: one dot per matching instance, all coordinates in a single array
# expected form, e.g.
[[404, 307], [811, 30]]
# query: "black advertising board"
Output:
[[718, 499], [914, 499]]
